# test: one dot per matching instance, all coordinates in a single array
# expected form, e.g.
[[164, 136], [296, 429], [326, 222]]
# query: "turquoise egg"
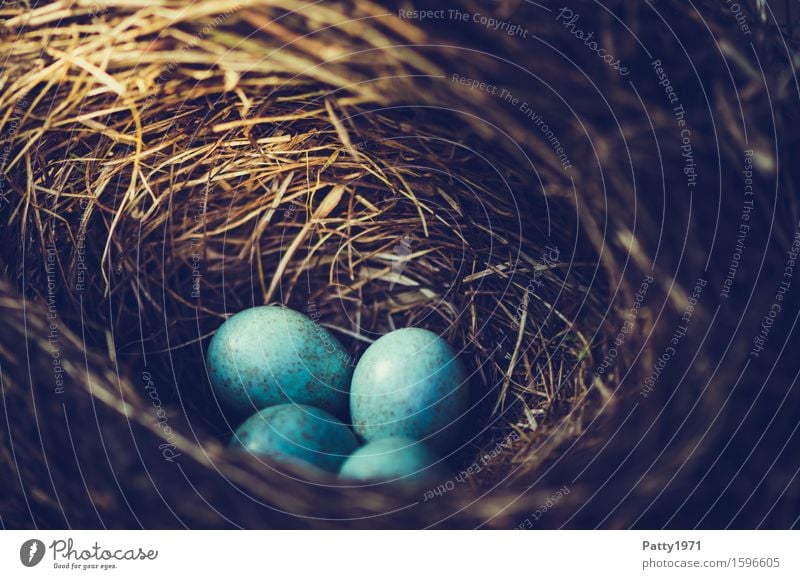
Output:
[[270, 355], [298, 435], [394, 459], [409, 383]]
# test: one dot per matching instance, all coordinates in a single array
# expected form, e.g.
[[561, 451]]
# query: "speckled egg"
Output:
[[394, 459], [270, 354], [409, 383], [296, 434]]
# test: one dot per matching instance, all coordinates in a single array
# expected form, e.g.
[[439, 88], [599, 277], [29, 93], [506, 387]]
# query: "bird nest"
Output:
[[170, 164]]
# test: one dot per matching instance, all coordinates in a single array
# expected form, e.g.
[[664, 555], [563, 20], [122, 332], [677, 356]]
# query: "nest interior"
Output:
[[169, 165]]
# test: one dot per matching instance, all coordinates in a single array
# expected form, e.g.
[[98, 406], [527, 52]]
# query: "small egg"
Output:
[[393, 459], [298, 435], [270, 355], [409, 383]]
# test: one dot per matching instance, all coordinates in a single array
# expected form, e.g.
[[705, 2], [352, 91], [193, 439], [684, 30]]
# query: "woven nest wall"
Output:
[[569, 225]]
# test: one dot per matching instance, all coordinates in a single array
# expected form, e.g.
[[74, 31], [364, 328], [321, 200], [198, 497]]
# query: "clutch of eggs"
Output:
[[408, 392]]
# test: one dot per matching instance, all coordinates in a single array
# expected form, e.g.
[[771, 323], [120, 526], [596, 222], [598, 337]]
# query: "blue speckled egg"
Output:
[[270, 355], [296, 434], [394, 459], [409, 383]]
